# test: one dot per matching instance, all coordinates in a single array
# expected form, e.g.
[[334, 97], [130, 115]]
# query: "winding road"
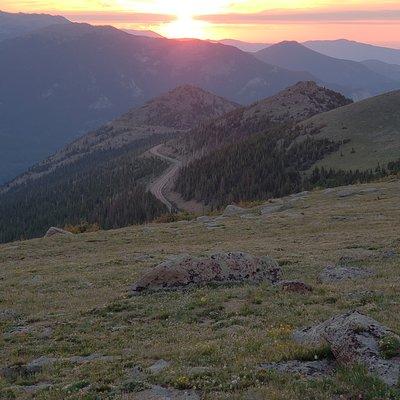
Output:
[[158, 187]]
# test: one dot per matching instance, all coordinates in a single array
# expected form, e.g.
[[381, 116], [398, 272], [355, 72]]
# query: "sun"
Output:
[[184, 27], [185, 24]]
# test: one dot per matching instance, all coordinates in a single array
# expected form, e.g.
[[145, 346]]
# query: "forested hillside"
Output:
[[269, 165], [102, 178], [355, 143], [107, 188]]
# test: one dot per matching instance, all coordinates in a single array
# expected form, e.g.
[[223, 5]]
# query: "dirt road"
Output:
[[158, 187]]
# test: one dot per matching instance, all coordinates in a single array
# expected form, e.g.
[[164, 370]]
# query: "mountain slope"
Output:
[[168, 115], [355, 51], [102, 177], [292, 105], [64, 80], [354, 143], [13, 25], [391, 71], [369, 129], [356, 79]]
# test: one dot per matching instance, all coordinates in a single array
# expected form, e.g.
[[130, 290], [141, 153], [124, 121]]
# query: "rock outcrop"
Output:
[[53, 231], [355, 338], [186, 270]]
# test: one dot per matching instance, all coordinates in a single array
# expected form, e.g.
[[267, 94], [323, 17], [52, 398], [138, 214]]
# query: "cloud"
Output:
[[300, 16], [118, 17]]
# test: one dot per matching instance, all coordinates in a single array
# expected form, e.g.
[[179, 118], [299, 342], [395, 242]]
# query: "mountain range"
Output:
[[356, 51], [85, 76], [352, 78], [14, 25], [305, 136]]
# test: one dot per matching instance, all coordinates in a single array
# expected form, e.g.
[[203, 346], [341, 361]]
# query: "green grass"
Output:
[[213, 337], [373, 127]]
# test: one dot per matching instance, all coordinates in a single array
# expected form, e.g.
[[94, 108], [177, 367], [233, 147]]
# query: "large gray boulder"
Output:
[[187, 270], [355, 338]]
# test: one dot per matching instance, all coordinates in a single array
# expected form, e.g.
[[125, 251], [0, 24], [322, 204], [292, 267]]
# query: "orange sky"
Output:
[[252, 20]]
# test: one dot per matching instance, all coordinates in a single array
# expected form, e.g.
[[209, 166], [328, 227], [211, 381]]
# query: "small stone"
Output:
[[137, 373], [46, 333], [233, 210], [389, 254], [295, 286], [159, 366], [203, 219], [53, 231], [333, 274], [8, 315]]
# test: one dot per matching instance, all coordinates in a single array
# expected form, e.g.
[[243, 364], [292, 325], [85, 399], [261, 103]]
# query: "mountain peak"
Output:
[[180, 108]]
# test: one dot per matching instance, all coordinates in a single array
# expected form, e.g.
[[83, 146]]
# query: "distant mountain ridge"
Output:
[[355, 79], [244, 46], [356, 51], [86, 76], [17, 24]]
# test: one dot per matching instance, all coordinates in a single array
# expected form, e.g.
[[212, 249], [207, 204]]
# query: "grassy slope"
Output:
[[78, 286], [373, 125]]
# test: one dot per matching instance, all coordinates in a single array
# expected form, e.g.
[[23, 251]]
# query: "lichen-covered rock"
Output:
[[355, 338], [53, 231], [337, 273], [187, 270], [294, 286], [308, 369]]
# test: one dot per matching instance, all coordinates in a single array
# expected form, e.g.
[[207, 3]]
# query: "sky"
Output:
[[264, 21]]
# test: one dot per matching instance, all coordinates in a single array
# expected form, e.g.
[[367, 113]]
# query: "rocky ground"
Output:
[[315, 316]]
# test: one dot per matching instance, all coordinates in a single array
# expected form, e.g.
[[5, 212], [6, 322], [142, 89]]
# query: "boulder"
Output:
[[56, 231], [186, 270], [294, 286], [355, 338], [333, 274], [308, 369], [233, 210]]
